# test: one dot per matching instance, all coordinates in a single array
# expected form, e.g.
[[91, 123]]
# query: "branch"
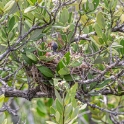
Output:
[[13, 47], [118, 28], [113, 112], [3, 83], [99, 77], [23, 94], [83, 37]]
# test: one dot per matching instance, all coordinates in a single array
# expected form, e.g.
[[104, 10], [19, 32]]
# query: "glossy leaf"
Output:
[[52, 110], [1, 100], [67, 58], [11, 23], [102, 84], [116, 45], [28, 60], [45, 71], [58, 96], [5, 121], [59, 106], [100, 20], [40, 105], [122, 49], [9, 5], [98, 30], [68, 110], [74, 88], [31, 8], [75, 113], [83, 107], [31, 56], [67, 98], [64, 71], [64, 16], [96, 3], [75, 63], [30, 2], [50, 122], [57, 115], [37, 34]]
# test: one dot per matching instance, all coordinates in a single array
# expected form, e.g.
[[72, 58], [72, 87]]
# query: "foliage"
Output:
[[80, 82]]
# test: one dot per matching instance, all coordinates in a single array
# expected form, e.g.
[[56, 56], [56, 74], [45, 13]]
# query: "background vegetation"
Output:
[[82, 82]]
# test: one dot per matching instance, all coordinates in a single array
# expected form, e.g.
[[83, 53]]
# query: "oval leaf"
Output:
[[9, 5], [45, 71], [29, 9], [100, 20], [31, 56], [64, 16], [1, 100], [11, 23]]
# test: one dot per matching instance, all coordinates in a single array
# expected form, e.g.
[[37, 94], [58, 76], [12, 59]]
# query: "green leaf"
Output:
[[70, 35], [49, 102], [61, 65], [67, 58], [98, 30], [71, 77], [31, 56], [75, 113], [64, 71], [70, 17], [101, 41], [2, 100], [102, 84], [75, 47], [64, 16], [31, 8], [67, 98], [5, 121], [44, 58], [74, 88], [114, 4], [11, 23], [33, 1], [58, 27], [106, 3], [50, 122], [42, 114], [41, 106], [45, 71], [30, 2], [91, 6], [57, 115], [59, 106], [68, 110], [83, 107], [72, 121], [37, 34], [96, 3], [116, 45], [122, 49], [100, 20], [27, 25], [75, 63], [29, 61], [9, 5], [52, 110], [13, 9], [58, 96], [98, 60]]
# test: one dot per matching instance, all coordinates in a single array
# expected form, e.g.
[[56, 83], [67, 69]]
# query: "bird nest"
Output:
[[73, 64]]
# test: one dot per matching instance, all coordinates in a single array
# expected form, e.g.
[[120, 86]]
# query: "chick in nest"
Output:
[[54, 46]]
